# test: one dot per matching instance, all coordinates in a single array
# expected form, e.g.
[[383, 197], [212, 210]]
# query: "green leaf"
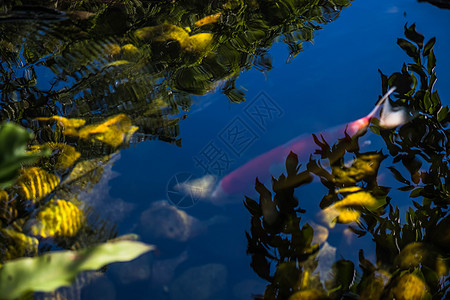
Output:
[[427, 103], [291, 164], [431, 62], [399, 176], [13, 154], [442, 113], [52, 270], [435, 99], [406, 188], [384, 82], [344, 271], [416, 193], [429, 46], [414, 36], [409, 48]]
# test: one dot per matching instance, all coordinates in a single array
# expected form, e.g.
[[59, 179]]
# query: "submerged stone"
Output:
[[199, 283]]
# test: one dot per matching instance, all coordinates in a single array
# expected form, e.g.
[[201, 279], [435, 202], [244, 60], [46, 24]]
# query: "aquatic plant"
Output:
[[148, 64], [53, 270], [411, 256], [35, 218], [13, 142]]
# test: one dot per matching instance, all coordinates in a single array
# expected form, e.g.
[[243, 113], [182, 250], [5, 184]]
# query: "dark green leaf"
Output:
[[406, 188], [435, 99], [360, 233], [261, 266], [431, 62], [419, 69], [399, 176], [409, 48], [417, 205], [442, 113], [384, 82], [402, 81], [252, 206], [291, 164], [344, 271], [433, 79], [416, 193], [428, 46], [413, 35], [427, 103]]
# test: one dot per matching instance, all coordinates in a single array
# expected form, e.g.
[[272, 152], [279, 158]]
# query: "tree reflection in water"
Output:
[[411, 254]]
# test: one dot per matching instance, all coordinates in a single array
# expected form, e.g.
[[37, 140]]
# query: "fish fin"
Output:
[[199, 188], [380, 102]]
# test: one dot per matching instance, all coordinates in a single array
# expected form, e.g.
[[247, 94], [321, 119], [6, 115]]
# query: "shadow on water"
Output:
[[411, 245]]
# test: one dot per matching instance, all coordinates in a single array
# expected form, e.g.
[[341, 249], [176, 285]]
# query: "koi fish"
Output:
[[242, 179]]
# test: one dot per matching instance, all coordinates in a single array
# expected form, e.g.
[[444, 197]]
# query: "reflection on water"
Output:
[[408, 256], [91, 78]]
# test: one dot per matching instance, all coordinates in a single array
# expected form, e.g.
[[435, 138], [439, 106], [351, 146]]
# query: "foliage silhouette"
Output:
[[411, 256], [148, 64]]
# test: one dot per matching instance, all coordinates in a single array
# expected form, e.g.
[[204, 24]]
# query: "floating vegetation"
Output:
[[411, 254], [211, 19], [57, 219], [363, 167], [8, 211], [16, 244], [349, 209], [35, 183], [63, 156], [69, 126], [112, 58], [199, 43], [114, 131]]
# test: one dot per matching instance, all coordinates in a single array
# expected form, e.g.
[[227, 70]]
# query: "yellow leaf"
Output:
[[162, 33], [199, 43], [364, 199], [112, 49], [69, 125], [34, 184], [16, 244], [65, 155], [350, 189], [365, 165], [348, 216], [112, 132], [348, 209], [75, 123], [409, 287], [59, 218], [208, 20], [118, 63], [130, 52], [8, 211]]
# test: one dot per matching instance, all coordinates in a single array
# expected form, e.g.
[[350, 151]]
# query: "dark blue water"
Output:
[[333, 81]]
